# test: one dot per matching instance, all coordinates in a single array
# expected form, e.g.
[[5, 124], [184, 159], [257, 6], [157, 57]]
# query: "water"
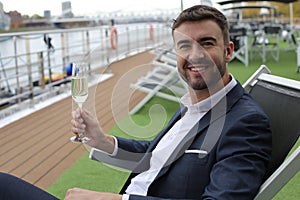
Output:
[[26, 62], [21, 64]]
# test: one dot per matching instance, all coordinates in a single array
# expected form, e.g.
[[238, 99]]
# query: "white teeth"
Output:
[[197, 68]]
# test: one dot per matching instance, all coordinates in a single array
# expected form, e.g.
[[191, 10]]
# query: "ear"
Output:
[[229, 52]]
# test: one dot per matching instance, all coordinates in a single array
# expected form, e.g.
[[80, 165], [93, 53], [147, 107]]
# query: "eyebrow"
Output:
[[207, 38], [184, 41]]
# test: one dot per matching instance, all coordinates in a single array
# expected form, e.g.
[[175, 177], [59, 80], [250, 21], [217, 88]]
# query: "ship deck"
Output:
[[37, 148]]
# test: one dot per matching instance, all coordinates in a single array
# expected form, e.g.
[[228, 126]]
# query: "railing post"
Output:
[[128, 39], [49, 65], [65, 48], [108, 51], [138, 36], [158, 33], [101, 44], [18, 90], [146, 36], [29, 69], [158, 37], [63, 54], [88, 51], [118, 45], [5, 75], [41, 69]]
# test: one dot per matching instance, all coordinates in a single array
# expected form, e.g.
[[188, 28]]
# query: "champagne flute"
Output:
[[79, 90]]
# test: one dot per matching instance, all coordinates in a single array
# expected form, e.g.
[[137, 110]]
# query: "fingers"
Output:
[[86, 113], [88, 117], [77, 122], [78, 125], [72, 193], [77, 113]]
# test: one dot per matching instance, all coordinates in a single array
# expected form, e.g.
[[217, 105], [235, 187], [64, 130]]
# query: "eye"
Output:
[[184, 46], [207, 44]]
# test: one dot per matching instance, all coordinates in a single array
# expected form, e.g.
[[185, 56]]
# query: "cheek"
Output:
[[180, 62], [214, 58], [218, 57]]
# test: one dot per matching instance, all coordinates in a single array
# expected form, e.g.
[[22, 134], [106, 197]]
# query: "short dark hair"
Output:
[[201, 12]]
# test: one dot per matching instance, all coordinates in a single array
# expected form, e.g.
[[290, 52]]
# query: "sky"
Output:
[[80, 7]]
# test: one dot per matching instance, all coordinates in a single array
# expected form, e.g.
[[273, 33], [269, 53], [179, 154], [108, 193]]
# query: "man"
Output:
[[232, 164], [216, 146]]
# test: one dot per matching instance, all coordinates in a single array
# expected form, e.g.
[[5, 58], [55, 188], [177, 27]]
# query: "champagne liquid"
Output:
[[79, 89]]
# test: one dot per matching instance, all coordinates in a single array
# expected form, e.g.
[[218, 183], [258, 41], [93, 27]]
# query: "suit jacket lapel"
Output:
[[177, 116], [213, 120]]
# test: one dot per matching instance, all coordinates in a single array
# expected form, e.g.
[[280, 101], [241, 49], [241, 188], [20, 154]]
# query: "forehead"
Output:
[[198, 29]]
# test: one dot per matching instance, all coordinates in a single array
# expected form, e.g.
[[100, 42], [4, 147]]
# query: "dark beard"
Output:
[[209, 83]]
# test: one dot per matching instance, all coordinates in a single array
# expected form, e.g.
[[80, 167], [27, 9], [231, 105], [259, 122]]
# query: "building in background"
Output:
[[16, 20], [67, 9], [47, 14], [4, 19], [206, 2]]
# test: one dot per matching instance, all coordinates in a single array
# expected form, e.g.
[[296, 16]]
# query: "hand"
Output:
[[84, 122], [82, 194]]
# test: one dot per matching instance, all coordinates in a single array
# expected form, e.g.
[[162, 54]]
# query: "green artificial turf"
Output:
[[99, 177]]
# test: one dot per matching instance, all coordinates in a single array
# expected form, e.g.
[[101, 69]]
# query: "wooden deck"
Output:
[[37, 149]]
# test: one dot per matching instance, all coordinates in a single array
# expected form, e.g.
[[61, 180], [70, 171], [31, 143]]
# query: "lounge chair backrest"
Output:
[[280, 99]]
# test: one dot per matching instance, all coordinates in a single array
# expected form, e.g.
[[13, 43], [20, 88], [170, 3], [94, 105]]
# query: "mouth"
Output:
[[196, 68]]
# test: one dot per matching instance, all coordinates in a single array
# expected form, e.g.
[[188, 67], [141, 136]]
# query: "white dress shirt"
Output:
[[139, 184]]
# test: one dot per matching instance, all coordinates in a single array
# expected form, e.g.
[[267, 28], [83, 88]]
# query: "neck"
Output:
[[200, 95]]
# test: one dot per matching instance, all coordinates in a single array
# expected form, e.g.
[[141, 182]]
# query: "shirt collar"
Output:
[[206, 104]]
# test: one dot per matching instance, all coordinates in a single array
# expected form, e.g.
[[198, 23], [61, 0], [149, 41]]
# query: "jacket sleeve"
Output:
[[129, 153]]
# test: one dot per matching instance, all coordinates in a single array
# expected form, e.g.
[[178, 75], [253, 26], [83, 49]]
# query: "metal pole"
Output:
[[42, 73], [16, 67], [181, 5], [128, 39], [4, 74], [291, 15], [138, 36], [49, 64], [28, 63], [83, 42], [88, 50], [63, 54]]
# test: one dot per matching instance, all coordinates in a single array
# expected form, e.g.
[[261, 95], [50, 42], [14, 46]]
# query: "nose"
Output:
[[197, 52]]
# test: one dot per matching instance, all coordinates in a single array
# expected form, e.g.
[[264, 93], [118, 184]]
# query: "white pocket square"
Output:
[[197, 151]]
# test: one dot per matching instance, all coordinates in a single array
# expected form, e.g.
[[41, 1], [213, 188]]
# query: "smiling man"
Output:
[[202, 56], [216, 146]]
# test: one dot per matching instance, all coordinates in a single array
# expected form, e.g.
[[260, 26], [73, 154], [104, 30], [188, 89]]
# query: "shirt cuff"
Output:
[[115, 147], [125, 197], [115, 151]]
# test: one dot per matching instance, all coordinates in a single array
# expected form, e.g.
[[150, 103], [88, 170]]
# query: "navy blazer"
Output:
[[237, 138]]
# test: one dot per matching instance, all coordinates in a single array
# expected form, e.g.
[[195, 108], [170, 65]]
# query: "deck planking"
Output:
[[37, 149]]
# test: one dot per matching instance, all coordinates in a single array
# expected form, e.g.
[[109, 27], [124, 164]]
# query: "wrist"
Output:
[[107, 144]]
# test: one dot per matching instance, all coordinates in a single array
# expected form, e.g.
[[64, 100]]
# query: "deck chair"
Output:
[[279, 98], [291, 39], [240, 40], [267, 43], [162, 81]]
